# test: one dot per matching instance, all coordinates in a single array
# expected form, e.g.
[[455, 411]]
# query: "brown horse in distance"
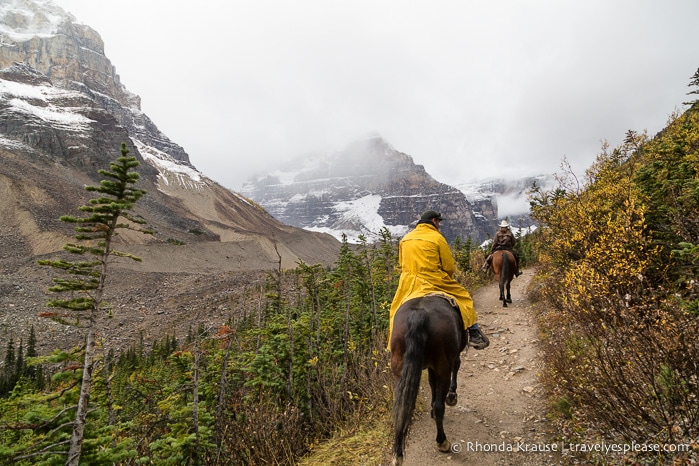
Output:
[[504, 266], [427, 333]]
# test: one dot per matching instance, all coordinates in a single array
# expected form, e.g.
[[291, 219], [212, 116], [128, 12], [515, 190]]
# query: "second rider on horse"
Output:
[[504, 240]]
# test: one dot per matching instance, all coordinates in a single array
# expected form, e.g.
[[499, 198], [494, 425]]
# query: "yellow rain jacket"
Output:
[[427, 267]]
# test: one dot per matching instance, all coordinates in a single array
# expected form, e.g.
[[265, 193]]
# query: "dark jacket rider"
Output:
[[504, 239]]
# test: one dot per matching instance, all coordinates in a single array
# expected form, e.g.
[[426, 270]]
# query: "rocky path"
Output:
[[500, 418]]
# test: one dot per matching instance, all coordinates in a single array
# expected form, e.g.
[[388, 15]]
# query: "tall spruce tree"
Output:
[[33, 373], [85, 281], [8, 378], [693, 82]]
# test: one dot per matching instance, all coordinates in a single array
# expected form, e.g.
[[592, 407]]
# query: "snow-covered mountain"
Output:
[[62, 102], [369, 185], [507, 197], [64, 114]]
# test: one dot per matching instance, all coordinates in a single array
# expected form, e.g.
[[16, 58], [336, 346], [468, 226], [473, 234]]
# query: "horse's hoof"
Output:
[[444, 447], [509, 300], [397, 461], [451, 399]]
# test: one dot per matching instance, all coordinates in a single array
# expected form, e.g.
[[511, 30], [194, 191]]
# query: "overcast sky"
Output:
[[469, 89]]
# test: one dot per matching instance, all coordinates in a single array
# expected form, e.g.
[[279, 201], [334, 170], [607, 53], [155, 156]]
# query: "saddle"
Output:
[[449, 298], [452, 301], [490, 256]]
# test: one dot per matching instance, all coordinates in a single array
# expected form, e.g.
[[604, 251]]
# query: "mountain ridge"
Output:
[[63, 116], [369, 185], [63, 104]]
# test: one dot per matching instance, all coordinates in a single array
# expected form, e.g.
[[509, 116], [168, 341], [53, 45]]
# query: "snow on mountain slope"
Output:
[[361, 189], [64, 101], [186, 175], [44, 102], [42, 22], [362, 218], [47, 103], [64, 115]]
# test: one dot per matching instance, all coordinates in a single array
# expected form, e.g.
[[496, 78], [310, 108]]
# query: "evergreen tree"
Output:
[[20, 366], [86, 278], [462, 253], [7, 376], [385, 262], [30, 370], [694, 82], [9, 358]]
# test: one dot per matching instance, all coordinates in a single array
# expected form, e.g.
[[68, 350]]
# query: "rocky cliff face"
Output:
[[506, 198], [361, 189], [63, 116], [41, 36]]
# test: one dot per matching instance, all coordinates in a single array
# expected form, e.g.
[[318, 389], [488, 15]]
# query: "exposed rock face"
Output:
[[506, 199], [361, 189], [41, 35], [64, 115]]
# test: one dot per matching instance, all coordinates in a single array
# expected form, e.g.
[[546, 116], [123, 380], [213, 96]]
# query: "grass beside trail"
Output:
[[368, 443]]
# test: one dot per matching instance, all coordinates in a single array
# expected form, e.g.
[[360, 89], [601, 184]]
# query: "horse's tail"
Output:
[[408, 386]]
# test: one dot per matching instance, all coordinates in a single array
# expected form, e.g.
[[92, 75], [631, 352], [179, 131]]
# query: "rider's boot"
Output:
[[486, 266], [476, 338]]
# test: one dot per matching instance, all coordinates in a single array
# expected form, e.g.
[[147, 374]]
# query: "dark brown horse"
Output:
[[427, 333], [504, 266]]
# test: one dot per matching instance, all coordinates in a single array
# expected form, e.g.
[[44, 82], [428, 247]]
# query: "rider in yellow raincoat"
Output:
[[427, 266]]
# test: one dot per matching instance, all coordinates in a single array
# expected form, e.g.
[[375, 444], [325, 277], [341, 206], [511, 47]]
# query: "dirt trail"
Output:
[[501, 404]]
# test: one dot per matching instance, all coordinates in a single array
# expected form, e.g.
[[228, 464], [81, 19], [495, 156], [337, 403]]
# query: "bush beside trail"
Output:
[[619, 261]]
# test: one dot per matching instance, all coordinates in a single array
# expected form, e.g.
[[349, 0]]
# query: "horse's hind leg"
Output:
[[452, 397], [509, 296], [439, 383], [398, 444], [432, 377], [438, 408]]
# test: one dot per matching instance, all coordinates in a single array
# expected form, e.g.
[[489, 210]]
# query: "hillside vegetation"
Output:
[[260, 389], [620, 255]]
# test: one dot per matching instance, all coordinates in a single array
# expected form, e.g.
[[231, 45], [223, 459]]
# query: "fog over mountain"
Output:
[[369, 185], [64, 114], [57, 79], [469, 89]]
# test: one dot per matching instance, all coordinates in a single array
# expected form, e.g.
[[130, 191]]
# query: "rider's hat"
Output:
[[430, 215], [504, 224]]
